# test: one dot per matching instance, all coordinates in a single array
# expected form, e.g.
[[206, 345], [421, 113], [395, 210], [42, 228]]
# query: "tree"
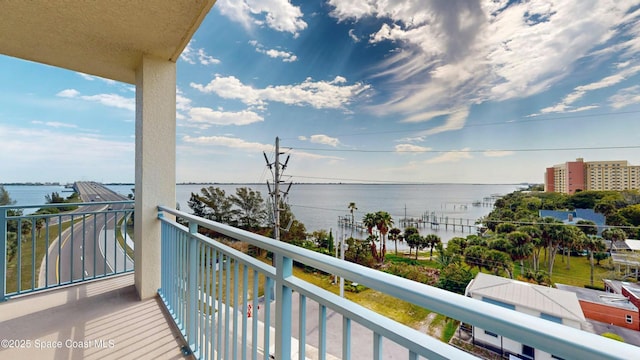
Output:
[[5, 199], [352, 207], [552, 235], [416, 241], [54, 198], [521, 246], [588, 227], [252, 212], [432, 240], [369, 221], [535, 233], [218, 204], [496, 260], [505, 228], [454, 278], [395, 234], [613, 235], [475, 256], [631, 214], [407, 233], [593, 244], [457, 245], [197, 206], [294, 231], [383, 223]]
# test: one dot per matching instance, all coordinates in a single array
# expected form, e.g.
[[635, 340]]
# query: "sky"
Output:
[[443, 91]]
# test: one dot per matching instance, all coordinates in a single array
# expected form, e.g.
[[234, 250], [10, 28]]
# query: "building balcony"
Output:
[[206, 305]]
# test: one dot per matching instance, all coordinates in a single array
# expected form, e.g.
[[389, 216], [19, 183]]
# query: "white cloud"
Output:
[[54, 124], [324, 140], [206, 59], [250, 147], [230, 142], [273, 53], [456, 120], [73, 152], [458, 53], [279, 15], [625, 97], [451, 157], [411, 148], [111, 100], [68, 93], [566, 104], [353, 36], [318, 94], [212, 117], [192, 55], [92, 78]]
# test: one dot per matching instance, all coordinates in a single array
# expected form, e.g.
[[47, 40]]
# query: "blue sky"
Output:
[[357, 90]]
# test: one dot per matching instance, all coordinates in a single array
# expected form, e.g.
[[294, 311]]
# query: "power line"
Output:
[[470, 151], [489, 124]]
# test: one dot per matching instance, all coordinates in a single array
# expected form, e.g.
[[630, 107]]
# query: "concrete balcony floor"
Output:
[[98, 320]]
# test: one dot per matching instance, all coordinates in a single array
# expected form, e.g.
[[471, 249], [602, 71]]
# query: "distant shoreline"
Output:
[[296, 183]]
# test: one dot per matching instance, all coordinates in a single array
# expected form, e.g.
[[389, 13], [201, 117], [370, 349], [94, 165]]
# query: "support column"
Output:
[[155, 165]]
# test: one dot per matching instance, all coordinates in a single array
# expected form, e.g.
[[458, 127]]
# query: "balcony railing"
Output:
[[42, 251], [212, 291]]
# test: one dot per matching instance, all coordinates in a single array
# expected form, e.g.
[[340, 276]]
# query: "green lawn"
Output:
[[27, 281]]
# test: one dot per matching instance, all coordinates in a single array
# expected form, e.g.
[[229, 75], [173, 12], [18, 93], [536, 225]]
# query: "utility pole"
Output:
[[277, 168]]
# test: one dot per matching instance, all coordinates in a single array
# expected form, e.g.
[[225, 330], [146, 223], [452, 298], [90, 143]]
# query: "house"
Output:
[[606, 307], [625, 256], [543, 302], [627, 289], [571, 217]]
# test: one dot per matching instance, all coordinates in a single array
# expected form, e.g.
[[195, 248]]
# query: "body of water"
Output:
[[319, 206]]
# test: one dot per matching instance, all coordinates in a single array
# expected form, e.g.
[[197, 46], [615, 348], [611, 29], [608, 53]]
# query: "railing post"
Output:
[[3, 254], [284, 269], [192, 287]]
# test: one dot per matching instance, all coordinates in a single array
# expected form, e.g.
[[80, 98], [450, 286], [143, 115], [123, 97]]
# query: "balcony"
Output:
[[205, 306]]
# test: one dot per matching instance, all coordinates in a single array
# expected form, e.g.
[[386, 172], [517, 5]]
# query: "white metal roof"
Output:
[[634, 245], [563, 304]]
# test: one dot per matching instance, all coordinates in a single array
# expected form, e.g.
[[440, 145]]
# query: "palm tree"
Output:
[[593, 244], [496, 260], [475, 256], [352, 207], [395, 234], [383, 223], [552, 235], [369, 221], [521, 246], [415, 240], [411, 230], [613, 235], [535, 234], [432, 240]]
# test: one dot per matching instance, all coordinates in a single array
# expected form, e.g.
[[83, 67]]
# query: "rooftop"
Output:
[[599, 297], [563, 304]]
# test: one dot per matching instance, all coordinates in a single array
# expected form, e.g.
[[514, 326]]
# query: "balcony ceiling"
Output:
[[103, 38]]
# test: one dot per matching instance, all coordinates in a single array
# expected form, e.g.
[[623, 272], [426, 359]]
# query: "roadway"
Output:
[[80, 250]]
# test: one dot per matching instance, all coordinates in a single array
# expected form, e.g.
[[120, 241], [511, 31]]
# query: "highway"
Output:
[[80, 250]]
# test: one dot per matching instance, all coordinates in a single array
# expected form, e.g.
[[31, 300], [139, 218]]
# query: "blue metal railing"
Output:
[[40, 251], [210, 289]]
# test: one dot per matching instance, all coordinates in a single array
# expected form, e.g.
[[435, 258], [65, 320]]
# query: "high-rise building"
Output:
[[579, 175]]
